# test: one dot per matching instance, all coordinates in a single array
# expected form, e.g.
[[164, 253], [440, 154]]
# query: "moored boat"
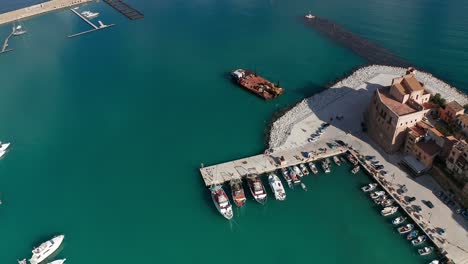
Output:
[[304, 187], [369, 187], [377, 194], [298, 171], [389, 210], [355, 170], [412, 235], [257, 189], [89, 14], [277, 187], [23, 261], [58, 261], [313, 168], [4, 146], [309, 16], [221, 201], [325, 166], [46, 249], [237, 192], [387, 202], [399, 220], [419, 240], [405, 229], [425, 251], [337, 160], [294, 177], [304, 169], [286, 177], [380, 199], [352, 159]]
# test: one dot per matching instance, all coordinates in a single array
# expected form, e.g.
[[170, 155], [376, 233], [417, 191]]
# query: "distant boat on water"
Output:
[[89, 14], [18, 30]]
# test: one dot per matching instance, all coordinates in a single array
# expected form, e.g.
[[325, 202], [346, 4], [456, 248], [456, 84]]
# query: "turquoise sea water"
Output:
[[108, 129]]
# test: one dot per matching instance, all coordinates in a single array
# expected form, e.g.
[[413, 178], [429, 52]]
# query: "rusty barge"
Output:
[[256, 84]]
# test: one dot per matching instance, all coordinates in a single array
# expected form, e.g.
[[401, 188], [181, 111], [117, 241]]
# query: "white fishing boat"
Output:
[[58, 261], [89, 14], [355, 170], [294, 177], [313, 168], [221, 201], [18, 30], [425, 251], [399, 220], [337, 160], [277, 187], [286, 177], [257, 189], [298, 171], [405, 229], [46, 249], [419, 240], [4, 146], [369, 187], [389, 211], [325, 166], [387, 202], [304, 169], [377, 194]]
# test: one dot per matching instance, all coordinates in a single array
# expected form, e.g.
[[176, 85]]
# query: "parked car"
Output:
[[465, 214], [450, 203], [410, 199], [428, 203], [382, 172], [370, 157], [379, 167]]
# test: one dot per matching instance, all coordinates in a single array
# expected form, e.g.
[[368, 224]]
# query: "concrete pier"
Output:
[[5, 44], [265, 163], [95, 28], [39, 9]]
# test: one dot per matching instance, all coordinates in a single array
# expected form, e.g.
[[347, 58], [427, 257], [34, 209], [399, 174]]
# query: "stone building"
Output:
[[457, 161], [450, 112], [393, 109], [462, 123]]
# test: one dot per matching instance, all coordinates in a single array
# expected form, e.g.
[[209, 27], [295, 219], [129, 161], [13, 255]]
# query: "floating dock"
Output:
[[5, 43], [39, 9], [261, 164], [126, 10], [94, 27]]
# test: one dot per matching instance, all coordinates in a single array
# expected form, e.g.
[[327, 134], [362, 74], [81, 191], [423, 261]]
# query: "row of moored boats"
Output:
[[412, 234], [292, 175]]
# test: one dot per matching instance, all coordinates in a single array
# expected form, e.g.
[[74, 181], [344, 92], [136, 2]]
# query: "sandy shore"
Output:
[[281, 128]]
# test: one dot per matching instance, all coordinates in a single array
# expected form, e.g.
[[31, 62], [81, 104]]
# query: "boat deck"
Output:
[[126, 10]]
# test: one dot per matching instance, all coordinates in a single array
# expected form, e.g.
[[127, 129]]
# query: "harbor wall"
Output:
[[38, 9]]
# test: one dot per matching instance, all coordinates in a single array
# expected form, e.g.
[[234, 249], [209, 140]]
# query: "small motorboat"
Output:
[[325, 166], [425, 251], [294, 177], [237, 192], [376, 195], [313, 168], [387, 202], [304, 169], [337, 160], [380, 199], [304, 187], [412, 235], [369, 187], [389, 210], [286, 176], [405, 229], [89, 14], [18, 31], [419, 240], [309, 16], [23, 261], [355, 170], [399, 220], [4, 146], [298, 171]]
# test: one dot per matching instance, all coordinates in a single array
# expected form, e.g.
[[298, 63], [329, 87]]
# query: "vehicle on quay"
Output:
[[425, 251], [337, 160], [405, 229], [410, 199], [399, 220], [221, 201], [428, 203], [277, 187], [419, 240], [355, 170], [58, 261], [237, 192], [369, 187], [412, 235], [325, 166], [389, 210], [257, 189], [46, 249], [377, 194], [298, 171], [304, 169], [313, 168], [369, 157]]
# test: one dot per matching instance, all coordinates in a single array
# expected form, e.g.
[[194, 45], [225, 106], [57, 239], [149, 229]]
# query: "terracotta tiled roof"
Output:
[[418, 131], [412, 83], [430, 148], [397, 107], [429, 105], [454, 106]]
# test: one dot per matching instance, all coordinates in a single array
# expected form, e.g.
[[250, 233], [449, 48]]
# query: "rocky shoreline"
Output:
[[281, 127]]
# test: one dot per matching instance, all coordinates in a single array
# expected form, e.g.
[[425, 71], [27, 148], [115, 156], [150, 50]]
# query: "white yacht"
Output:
[[89, 14], [369, 187], [4, 146], [277, 187], [313, 168], [23, 261], [309, 16], [376, 195], [18, 30], [389, 210], [46, 249], [58, 261], [298, 171]]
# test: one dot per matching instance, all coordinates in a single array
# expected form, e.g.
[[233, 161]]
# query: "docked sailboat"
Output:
[[313, 168], [325, 166], [257, 189], [419, 240], [237, 192], [425, 251], [277, 187], [58, 261], [405, 229], [304, 169], [389, 211], [221, 201], [355, 170], [46, 249], [399, 220], [298, 171], [376, 195], [337, 160], [369, 187]]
